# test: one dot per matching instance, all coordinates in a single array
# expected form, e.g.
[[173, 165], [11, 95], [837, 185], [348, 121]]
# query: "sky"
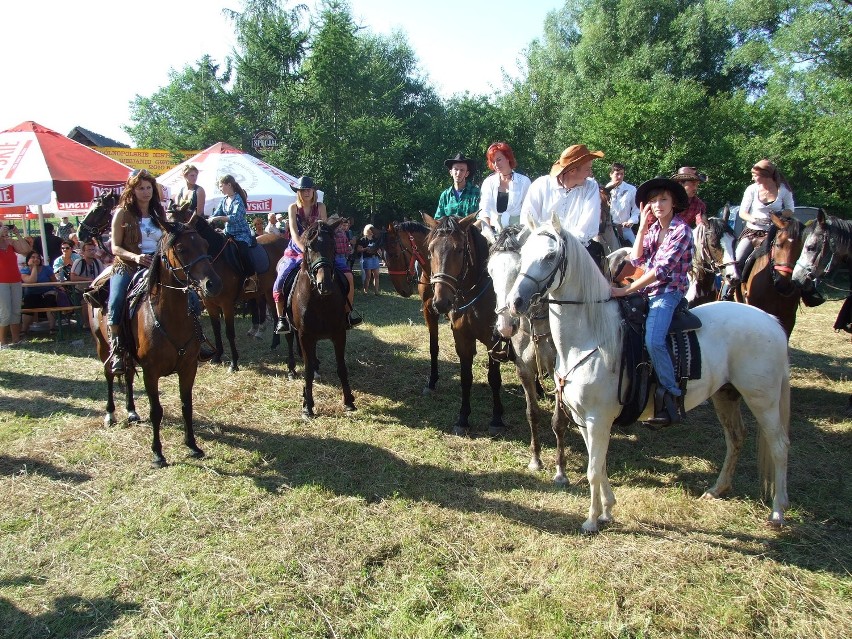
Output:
[[81, 63]]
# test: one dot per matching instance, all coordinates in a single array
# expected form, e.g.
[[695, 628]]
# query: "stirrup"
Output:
[[353, 318], [283, 326], [251, 284], [501, 351]]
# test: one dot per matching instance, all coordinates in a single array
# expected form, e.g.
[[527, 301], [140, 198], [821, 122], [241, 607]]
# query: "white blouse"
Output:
[[518, 188], [760, 212]]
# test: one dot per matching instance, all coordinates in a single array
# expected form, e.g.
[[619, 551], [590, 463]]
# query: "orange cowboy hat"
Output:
[[572, 156]]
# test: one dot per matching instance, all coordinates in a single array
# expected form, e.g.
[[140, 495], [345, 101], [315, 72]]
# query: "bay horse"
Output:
[[532, 351], [743, 352], [714, 257], [827, 244], [225, 304], [770, 285], [405, 248], [164, 334], [463, 291], [318, 311]]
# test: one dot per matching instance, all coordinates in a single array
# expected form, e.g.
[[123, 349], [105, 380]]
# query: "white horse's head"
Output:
[[504, 263], [542, 265]]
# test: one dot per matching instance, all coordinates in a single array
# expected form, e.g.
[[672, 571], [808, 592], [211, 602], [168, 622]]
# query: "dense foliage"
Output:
[[656, 84]]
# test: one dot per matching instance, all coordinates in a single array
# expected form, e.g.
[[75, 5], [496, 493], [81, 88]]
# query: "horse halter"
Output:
[[781, 267], [415, 257], [707, 257], [447, 279], [316, 265], [189, 281], [544, 284], [814, 271]]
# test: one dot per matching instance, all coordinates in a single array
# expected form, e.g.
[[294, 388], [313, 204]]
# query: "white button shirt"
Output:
[[578, 209], [622, 204]]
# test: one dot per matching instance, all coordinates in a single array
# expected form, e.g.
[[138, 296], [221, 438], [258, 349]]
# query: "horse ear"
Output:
[[528, 220], [554, 221], [524, 234], [488, 233], [465, 222], [429, 221], [820, 217]]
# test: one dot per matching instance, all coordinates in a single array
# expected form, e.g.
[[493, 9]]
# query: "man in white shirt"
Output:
[[272, 226], [622, 202], [571, 192]]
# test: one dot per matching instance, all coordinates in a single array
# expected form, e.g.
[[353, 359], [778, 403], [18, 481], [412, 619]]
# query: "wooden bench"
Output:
[[56, 309]]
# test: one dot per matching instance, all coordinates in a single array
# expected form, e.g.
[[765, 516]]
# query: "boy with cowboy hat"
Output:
[[571, 192], [689, 178], [462, 198]]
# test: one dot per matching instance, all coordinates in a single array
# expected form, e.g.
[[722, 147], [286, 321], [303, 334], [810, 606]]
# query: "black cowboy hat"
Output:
[[303, 182], [681, 199], [461, 159]]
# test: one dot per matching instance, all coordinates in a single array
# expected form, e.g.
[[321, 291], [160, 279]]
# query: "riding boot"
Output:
[[666, 412], [117, 354]]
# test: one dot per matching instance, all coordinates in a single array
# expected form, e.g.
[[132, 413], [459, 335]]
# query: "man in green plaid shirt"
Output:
[[462, 198]]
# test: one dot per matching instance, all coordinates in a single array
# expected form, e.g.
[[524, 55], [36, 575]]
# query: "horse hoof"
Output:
[[589, 531], [776, 521], [535, 465], [292, 376], [709, 496], [560, 481], [196, 453], [317, 377], [349, 407], [109, 419], [233, 368], [307, 413], [216, 360], [133, 417], [461, 431], [497, 430], [159, 462], [428, 392]]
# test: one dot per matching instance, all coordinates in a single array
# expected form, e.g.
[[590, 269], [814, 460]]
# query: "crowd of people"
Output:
[[655, 219]]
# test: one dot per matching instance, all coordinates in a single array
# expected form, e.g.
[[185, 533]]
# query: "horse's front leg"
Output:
[[602, 498], [343, 371], [309, 350], [431, 320], [109, 418], [466, 350], [726, 401], [231, 334], [496, 427], [527, 376], [559, 423], [186, 380], [152, 388], [291, 357]]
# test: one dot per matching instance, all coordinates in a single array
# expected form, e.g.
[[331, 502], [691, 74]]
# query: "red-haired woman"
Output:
[[503, 191]]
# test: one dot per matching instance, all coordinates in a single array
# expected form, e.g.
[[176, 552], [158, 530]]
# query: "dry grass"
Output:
[[381, 524]]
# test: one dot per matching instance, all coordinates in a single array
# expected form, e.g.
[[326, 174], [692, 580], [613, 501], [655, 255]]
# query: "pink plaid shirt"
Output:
[[669, 257]]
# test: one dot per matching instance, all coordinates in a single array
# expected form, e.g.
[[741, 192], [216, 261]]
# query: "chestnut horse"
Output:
[[405, 248], [770, 285], [318, 311], [164, 334], [462, 289]]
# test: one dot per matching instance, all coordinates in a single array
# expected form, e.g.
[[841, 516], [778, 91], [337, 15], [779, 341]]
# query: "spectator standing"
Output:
[[272, 225], [622, 202], [368, 248], [462, 198], [11, 243], [66, 228], [502, 192], [53, 243], [342, 249]]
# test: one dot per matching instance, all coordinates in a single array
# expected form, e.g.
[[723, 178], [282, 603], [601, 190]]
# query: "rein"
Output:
[[416, 257]]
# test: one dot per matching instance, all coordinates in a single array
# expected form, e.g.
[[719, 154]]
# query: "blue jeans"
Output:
[[661, 308], [118, 285]]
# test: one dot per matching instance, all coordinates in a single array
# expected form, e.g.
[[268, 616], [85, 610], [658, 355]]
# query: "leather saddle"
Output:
[[636, 369]]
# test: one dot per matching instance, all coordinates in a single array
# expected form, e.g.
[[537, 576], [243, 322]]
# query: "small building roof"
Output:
[[90, 138]]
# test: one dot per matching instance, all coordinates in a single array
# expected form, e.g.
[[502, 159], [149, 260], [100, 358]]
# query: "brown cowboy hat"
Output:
[[572, 156], [689, 174], [681, 199], [461, 159], [335, 217]]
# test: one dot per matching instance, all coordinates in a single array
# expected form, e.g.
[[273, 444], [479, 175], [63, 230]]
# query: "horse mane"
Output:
[[412, 226], [507, 240], [720, 227], [215, 240], [593, 289], [840, 231]]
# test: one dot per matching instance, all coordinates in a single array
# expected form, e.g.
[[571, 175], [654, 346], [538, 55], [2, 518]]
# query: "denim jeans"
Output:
[[661, 308], [118, 284]]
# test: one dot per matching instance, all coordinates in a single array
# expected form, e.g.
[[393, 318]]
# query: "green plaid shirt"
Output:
[[464, 205]]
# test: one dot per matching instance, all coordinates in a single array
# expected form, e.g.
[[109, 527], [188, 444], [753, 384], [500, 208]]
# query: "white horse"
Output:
[[743, 351], [530, 335]]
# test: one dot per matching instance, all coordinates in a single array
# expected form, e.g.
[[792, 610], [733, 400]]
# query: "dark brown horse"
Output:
[[458, 258], [224, 252], [318, 311], [405, 248], [164, 334], [770, 285]]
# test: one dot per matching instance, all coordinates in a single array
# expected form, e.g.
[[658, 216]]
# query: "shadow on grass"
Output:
[[53, 389], [33, 466], [70, 616]]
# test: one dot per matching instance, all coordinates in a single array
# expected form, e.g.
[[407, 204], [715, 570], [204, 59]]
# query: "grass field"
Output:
[[380, 523]]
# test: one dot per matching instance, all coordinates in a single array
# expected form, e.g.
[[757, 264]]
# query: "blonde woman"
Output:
[[368, 248], [192, 192], [302, 213]]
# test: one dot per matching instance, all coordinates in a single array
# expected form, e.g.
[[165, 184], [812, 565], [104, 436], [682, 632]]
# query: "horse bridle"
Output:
[[544, 284], [716, 267], [315, 266], [189, 282], [781, 267], [410, 272]]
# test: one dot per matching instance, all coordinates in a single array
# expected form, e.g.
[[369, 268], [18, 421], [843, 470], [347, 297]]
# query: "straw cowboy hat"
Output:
[[573, 156], [332, 219], [681, 199], [461, 159], [688, 174]]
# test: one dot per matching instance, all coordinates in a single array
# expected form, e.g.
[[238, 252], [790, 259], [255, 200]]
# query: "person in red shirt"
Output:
[[690, 178], [11, 243]]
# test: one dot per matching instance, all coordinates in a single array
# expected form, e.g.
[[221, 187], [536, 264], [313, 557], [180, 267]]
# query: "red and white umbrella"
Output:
[[36, 162], [268, 188]]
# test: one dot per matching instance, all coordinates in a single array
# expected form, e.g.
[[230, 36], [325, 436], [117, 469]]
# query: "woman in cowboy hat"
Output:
[[302, 213], [690, 178], [462, 198], [664, 248]]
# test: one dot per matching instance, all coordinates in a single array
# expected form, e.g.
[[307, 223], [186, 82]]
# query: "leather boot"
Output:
[[666, 412], [116, 354]]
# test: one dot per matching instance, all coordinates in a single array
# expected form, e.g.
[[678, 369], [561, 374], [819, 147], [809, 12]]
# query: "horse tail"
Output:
[[765, 460]]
